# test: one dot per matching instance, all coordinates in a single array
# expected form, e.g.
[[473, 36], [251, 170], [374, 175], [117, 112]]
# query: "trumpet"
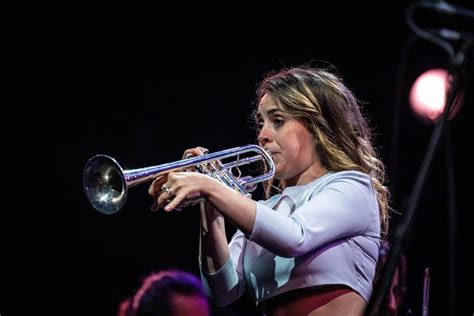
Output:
[[106, 183]]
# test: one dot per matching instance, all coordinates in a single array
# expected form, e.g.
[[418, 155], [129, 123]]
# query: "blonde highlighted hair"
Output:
[[321, 101]]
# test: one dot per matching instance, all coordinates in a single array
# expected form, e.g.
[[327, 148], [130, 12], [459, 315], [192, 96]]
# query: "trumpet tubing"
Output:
[[106, 183]]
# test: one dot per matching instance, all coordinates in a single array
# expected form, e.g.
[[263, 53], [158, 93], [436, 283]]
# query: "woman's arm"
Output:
[[213, 249]]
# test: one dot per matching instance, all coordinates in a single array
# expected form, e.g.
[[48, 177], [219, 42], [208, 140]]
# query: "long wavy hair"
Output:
[[321, 101]]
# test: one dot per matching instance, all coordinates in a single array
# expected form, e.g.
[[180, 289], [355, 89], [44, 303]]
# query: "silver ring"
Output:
[[166, 189]]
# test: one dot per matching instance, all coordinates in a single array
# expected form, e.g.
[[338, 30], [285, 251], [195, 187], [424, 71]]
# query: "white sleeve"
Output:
[[228, 283], [345, 207]]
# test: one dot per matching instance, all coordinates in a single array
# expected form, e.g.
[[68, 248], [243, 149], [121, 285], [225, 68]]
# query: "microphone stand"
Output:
[[380, 293]]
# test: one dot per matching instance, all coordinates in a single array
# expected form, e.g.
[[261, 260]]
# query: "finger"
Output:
[[188, 154], [191, 153], [155, 207], [155, 186], [161, 202], [174, 203], [197, 151], [164, 198], [203, 150]]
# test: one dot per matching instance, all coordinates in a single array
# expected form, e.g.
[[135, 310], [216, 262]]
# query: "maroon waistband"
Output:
[[302, 301]]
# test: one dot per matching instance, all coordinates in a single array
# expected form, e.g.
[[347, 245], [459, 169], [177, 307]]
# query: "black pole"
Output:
[[380, 293], [452, 224]]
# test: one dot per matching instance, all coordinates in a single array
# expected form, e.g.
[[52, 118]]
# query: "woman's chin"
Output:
[[279, 174]]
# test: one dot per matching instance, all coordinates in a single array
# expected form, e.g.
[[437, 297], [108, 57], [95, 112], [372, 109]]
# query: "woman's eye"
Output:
[[278, 122]]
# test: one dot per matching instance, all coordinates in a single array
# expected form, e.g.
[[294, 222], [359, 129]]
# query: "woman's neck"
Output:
[[314, 172]]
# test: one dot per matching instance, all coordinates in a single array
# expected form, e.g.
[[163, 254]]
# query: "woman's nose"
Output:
[[264, 136]]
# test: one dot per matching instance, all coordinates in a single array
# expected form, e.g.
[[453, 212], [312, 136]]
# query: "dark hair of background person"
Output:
[[167, 293]]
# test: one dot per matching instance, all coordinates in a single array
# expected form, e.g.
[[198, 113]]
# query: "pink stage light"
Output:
[[428, 95]]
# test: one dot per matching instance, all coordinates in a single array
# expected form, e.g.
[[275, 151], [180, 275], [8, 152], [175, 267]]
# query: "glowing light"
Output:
[[428, 95]]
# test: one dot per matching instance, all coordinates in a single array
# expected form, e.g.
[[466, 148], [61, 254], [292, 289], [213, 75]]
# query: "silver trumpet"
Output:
[[106, 183]]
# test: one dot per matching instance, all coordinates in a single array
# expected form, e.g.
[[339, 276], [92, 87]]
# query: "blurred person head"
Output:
[[167, 293]]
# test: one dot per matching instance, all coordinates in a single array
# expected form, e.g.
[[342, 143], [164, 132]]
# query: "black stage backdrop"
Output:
[[143, 83]]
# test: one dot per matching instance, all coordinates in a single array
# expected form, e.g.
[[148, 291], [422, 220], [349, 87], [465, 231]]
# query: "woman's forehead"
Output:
[[268, 103]]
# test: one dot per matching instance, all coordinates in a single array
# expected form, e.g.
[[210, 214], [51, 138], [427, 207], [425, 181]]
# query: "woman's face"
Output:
[[291, 145]]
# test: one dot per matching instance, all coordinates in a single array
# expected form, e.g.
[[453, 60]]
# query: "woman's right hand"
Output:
[[155, 190]]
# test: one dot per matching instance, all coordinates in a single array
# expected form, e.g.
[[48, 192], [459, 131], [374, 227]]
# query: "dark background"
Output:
[[143, 83]]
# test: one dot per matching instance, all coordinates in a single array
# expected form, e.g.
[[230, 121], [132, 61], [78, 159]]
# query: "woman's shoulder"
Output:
[[342, 179], [319, 184], [349, 175]]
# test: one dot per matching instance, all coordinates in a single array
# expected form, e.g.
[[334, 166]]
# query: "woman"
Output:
[[312, 247]]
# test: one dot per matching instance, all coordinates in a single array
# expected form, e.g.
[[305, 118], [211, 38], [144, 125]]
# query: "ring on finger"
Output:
[[166, 189]]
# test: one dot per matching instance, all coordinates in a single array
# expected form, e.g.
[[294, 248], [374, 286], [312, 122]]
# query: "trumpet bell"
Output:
[[104, 184]]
